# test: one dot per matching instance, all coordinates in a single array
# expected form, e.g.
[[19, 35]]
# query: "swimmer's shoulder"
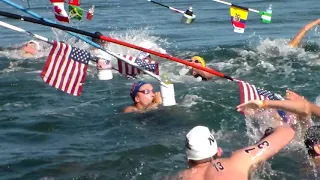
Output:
[[130, 109]]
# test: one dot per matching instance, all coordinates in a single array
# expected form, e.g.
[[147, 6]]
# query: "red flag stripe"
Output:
[[63, 72]]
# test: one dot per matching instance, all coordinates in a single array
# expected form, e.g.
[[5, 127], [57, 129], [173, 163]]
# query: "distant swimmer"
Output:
[[296, 41], [104, 60], [30, 49], [205, 161], [143, 97], [102, 43], [189, 11], [200, 73]]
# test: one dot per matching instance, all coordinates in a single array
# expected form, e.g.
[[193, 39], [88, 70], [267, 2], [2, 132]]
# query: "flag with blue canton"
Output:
[[148, 65], [250, 92], [128, 69], [66, 68]]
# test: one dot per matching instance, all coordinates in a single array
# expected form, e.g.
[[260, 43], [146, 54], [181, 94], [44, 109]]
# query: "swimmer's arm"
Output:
[[250, 157], [153, 106], [295, 42], [157, 98], [156, 101], [129, 109], [204, 74], [300, 107], [178, 176], [315, 110]]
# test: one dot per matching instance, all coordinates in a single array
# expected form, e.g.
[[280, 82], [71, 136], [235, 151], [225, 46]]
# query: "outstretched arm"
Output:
[[300, 107], [204, 74], [295, 42], [250, 157]]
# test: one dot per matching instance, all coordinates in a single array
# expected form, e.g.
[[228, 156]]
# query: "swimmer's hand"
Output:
[[290, 95], [157, 98], [253, 104]]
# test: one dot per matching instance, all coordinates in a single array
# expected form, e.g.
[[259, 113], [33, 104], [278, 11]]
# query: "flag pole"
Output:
[[15, 28], [18, 29], [96, 45], [172, 8], [105, 38], [230, 4]]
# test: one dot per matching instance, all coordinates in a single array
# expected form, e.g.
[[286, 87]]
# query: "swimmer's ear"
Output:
[[136, 99], [317, 148], [220, 152]]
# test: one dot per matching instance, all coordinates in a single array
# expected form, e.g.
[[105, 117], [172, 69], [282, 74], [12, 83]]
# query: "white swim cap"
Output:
[[190, 8], [200, 143], [36, 43]]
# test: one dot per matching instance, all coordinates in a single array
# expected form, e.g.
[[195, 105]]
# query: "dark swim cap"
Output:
[[311, 138], [97, 40], [135, 88]]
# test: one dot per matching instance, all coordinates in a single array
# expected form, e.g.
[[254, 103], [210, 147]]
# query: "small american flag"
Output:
[[250, 92], [66, 68], [104, 64], [147, 64]]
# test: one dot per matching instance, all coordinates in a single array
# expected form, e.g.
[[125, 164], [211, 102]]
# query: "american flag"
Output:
[[66, 68], [104, 64], [147, 64], [250, 92]]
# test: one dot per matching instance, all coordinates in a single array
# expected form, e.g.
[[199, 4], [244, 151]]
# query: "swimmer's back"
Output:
[[219, 169], [243, 161]]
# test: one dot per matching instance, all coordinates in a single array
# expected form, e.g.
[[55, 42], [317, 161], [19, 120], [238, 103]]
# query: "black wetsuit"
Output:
[[190, 13]]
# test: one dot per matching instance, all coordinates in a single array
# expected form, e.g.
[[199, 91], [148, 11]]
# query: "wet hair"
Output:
[[312, 138], [97, 40]]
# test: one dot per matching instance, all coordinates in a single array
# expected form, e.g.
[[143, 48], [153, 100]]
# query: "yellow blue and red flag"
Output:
[[239, 16]]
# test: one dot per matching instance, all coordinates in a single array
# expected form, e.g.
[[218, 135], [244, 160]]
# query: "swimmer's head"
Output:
[[312, 141], [200, 144], [198, 60], [190, 8], [32, 47], [142, 93], [98, 40]]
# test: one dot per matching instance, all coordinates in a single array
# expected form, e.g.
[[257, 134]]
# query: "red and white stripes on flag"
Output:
[[249, 92], [59, 11], [66, 68], [127, 69], [147, 64]]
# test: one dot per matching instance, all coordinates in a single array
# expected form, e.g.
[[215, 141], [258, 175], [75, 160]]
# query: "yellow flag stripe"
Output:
[[242, 13]]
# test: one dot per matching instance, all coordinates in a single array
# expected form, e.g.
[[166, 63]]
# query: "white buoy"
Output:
[[167, 93], [104, 69]]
